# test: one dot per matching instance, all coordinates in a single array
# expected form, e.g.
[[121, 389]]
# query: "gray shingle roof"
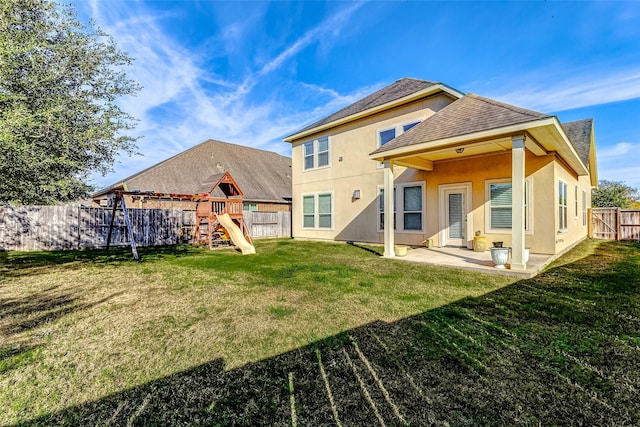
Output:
[[469, 114], [399, 89], [579, 133], [261, 175]]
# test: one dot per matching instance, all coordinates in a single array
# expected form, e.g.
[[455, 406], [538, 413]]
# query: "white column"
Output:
[[389, 251], [517, 203]]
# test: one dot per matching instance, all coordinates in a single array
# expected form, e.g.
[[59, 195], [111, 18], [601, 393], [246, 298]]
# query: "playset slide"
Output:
[[236, 235]]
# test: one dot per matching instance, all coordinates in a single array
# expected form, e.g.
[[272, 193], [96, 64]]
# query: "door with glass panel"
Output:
[[455, 218]]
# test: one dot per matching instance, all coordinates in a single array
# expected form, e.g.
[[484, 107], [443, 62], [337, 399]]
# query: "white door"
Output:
[[455, 218]]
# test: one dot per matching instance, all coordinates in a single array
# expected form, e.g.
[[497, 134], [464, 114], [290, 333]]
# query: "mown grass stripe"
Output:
[[363, 387], [292, 402], [412, 382], [139, 411], [373, 373], [327, 388]]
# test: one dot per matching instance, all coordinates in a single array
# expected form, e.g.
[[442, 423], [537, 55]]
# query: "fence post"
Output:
[[618, 228]]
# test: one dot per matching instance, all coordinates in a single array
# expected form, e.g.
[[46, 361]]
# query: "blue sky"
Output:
[[251, 73]]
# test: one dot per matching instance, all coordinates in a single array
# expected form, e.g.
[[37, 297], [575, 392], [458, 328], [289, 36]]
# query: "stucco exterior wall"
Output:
[[350, 169], [358, 219]]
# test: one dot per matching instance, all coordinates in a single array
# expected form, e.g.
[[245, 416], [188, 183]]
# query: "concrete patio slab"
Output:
[[470, 260]]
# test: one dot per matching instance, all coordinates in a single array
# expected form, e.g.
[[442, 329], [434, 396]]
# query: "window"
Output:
[[387, 135], [584, 208], [324, 210], [412, 207], [499, 195], [408, 126], [410, 198], [381, 209], [316, 153], [250, 207], [317, 210], [575, 198], [562, 206]]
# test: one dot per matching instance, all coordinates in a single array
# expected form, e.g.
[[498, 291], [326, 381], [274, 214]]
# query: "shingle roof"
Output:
[[469, 114], [261, 175], [399, 89], [579, 133]]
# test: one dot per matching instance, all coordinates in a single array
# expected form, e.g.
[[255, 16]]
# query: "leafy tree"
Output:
[[614, 194], [59, 122]]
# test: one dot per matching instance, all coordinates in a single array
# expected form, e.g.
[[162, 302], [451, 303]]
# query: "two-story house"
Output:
[[420, 161]]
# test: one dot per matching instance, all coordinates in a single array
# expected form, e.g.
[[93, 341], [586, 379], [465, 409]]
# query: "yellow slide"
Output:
[[236, 235]]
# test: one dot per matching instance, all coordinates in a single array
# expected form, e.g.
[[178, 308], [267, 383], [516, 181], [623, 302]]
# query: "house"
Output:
[[264, 176], [420, 161]]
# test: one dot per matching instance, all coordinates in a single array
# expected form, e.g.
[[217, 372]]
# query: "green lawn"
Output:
[[309, 333]]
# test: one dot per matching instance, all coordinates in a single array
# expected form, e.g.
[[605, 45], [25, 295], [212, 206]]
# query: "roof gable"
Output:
[[580, 134], [467, 115], [262, 175], [400, 89]]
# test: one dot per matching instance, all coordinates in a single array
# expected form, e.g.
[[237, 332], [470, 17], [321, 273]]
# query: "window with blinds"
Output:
[[500, 199], [317, 210]]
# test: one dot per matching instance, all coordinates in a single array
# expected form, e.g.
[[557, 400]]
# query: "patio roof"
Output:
[[478, 125]]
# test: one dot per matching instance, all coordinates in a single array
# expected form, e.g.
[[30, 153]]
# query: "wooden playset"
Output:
[[219, 217]]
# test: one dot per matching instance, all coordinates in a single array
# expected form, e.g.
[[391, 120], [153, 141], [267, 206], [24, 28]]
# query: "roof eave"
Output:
[[438, 87], [573, 159]]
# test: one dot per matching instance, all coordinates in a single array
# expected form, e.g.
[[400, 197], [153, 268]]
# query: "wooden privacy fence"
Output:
[[65, 227], [615, 224], [268, 224]]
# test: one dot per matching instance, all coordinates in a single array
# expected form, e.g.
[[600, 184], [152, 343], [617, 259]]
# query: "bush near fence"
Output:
[[67, 227]]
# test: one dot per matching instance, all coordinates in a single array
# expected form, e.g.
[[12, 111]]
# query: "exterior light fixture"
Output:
[[356, 194]]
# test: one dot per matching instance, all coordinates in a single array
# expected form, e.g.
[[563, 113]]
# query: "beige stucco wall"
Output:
[[350, 169]]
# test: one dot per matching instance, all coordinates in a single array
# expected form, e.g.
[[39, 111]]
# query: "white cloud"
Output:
[[184, 101], [615, 163], [550, 92]]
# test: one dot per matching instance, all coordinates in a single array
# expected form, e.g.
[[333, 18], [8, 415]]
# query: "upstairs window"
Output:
[[387, 135], [316, 153]]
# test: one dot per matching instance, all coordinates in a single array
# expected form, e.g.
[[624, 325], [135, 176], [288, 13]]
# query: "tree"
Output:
[[59, 121], [614, 194]]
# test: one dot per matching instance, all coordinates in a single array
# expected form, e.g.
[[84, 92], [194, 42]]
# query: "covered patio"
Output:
[[474, 127], [467, 259]]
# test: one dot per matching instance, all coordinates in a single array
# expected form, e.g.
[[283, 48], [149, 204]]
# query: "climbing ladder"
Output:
[[120, 199]]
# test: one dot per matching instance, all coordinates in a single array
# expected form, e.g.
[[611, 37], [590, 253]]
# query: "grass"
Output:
[[313, 333]]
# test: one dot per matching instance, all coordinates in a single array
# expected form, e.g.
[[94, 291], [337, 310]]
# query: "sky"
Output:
[[251, 73]]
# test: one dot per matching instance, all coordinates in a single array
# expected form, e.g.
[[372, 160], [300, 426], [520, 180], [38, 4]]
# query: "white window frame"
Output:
[[399, 130], [528, 206], [563, 206], [584, 208], [316, 210], [315, 154], [575, 194], [399, 211]]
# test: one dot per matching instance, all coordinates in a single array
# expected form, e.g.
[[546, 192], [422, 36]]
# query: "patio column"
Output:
[[517, 203], [389, 251]]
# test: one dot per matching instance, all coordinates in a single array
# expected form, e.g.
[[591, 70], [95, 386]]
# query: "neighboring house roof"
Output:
[[262, 175], [580, 135], [395, 91], [469, 114]]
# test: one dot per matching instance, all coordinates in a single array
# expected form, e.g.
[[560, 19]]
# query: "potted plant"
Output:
[[499, 255]]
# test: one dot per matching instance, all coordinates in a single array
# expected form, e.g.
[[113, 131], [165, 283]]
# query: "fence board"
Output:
[[615, 224], [66, 227]]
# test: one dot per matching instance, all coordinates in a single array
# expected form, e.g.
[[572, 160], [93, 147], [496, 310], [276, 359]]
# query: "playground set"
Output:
[[219, 218]]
